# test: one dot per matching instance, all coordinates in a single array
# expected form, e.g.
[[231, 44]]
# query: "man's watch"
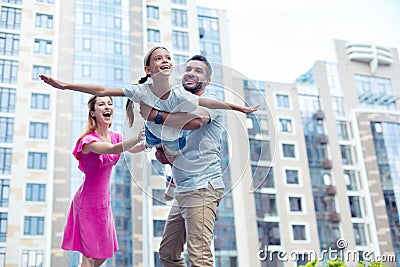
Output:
[[158, 119]]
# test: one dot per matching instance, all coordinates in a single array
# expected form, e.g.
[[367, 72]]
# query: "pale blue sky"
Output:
[[277, 40]]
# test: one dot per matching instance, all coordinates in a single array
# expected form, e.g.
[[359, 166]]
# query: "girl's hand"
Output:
[[250, 109], [141, 136], [52, 82]]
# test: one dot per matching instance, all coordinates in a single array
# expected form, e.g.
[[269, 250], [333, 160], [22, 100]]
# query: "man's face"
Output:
[[195, 77]]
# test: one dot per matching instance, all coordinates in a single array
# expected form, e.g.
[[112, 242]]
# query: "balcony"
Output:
[[326, 164], [331, 190], [322, 139], [334, 216], [319, 115]]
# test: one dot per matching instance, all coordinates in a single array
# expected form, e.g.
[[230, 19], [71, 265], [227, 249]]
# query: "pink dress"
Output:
[[90, 225]]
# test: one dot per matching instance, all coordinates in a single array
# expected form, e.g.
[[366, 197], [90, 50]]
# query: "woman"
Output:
[[90, 226]]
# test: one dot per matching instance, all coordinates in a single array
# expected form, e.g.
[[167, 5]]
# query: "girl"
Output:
[[90, 226], [156, 91]]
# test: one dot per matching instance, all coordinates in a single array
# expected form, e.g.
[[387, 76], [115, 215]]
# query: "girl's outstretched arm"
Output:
[[216, 104], [92, 89]]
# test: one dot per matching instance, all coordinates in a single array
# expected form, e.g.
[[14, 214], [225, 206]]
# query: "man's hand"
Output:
[[148, 113]]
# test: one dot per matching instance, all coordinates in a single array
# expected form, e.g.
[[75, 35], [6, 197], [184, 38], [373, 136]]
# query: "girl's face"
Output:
[[160, 62], [103, 110]]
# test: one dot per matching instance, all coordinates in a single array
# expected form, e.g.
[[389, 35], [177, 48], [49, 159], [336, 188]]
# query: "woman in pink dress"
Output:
[[90, 226]]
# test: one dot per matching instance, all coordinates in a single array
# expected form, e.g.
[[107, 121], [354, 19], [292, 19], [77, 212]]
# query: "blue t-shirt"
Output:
[[200, 162]]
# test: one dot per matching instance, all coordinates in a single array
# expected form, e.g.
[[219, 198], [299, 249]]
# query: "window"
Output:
[[355, 207], [86, 44], [337, 105], [158, 227], [377, 85], [12, 1], [288, 150], [33, 225], [10, 18], [255, 97], [292, 176], [179, 18], [3, 227], [347, 158], [285, 125], [265, 205], [268, 233], [359, 234], [86, 70], [158, 197], [120, 223], [37, 70], [87, 18], [5, 160], [35, 192], [257, 125], [40, 101], [263, 177], [351, 180], [44, 21], [180, 40], [117, 22], [44, 47], [117, 48], [6, 129], [8, 71], [179, 2], [260, 150], [38, 130], [9, 44], [153, 12], [180, 59], [157, 168], [282, 101], [117, 74], [295, 204], [299, 232], [31, 258], [37, 161], [153, 36], [4, 192], [7, 100], [342, 132], [225, 236]]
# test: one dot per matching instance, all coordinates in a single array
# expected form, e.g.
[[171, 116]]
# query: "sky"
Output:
[[278, 40]]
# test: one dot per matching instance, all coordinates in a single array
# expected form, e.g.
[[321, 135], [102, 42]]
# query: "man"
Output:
[[196, 172]]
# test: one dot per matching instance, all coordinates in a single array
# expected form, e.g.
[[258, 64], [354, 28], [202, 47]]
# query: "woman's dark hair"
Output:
[[129, 103]]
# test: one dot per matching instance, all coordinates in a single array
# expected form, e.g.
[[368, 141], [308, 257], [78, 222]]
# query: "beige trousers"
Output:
[[190, 220]]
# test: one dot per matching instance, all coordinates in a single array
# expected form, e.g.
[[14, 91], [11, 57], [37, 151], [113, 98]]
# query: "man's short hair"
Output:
[[202, 59]]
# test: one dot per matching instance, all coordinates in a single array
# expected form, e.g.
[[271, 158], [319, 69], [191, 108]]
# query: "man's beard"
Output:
[[194, 90]]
